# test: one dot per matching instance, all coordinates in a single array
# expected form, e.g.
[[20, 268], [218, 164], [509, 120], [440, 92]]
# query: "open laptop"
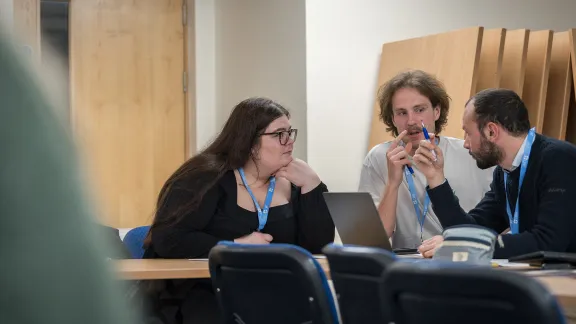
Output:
[[357, 220]]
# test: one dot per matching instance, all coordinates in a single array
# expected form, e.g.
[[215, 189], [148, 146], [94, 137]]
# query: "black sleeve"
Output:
[[555, 221], [489, 212], [315, 225], [187, 239]]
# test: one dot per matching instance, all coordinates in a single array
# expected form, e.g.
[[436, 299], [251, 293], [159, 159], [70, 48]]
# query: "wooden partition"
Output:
[[491, 55], [453, 57], [539, 65], [571, 125], [572, 38], [559, 87], [536, 79], [514, 60]]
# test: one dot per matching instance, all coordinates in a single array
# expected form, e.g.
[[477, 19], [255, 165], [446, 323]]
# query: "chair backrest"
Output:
[[116, 249], [134, 241], [356, 273], [453, 293], [275, 283]]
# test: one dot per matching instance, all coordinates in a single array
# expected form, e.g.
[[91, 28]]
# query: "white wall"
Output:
[[205, 71], [261, 51], [344, 40]]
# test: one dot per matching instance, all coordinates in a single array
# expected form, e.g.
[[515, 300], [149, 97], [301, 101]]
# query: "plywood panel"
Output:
[[127, 63], [537, 72], [490, 64], [572, 37], [571, 125], [559, 85], [514, 60], [452, 57]]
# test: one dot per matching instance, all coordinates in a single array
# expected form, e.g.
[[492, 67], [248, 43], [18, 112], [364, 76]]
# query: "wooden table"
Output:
[[150, 269], [561, 283]]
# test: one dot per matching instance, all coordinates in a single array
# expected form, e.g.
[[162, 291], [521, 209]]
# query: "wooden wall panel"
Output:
[[491, 54], [514, 60], [453, 57], [572, 38], [128, 105], [537, 73], [559, 86], [571, 125]]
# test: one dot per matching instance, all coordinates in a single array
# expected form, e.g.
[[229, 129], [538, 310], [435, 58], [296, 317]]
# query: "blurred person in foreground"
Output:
[[53, 256]]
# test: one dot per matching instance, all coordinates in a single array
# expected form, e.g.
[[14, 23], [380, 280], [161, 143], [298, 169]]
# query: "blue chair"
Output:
[[356, 272], [441, 292], [134, 241], [275, 283]]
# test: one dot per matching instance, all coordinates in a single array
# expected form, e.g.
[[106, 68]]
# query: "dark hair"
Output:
[[501, 106], [428, 85], [232, 149]]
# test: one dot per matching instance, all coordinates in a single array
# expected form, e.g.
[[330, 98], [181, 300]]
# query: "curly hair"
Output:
[[428, 85]]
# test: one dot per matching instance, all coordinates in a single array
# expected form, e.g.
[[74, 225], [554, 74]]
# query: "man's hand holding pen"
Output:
[[430, 161], [397, 158]]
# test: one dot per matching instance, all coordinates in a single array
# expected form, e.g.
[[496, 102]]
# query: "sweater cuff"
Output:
[[320, 188], [440, 192]]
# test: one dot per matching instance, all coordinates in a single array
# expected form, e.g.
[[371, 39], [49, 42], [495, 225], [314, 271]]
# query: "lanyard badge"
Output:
[[414, 197], [262, 212], [514, 227]]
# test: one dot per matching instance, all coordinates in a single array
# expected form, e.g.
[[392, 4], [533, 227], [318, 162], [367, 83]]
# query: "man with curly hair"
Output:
[[408, 101]]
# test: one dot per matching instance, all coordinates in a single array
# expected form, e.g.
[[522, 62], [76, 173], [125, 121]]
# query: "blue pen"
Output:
[[427, 137], [411, 170]]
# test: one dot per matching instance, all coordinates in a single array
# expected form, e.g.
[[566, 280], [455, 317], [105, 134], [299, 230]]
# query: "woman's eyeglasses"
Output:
[[283, 136]]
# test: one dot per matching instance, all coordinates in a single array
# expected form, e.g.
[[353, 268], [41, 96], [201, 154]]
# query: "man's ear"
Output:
[[492, 131], [436, 112]]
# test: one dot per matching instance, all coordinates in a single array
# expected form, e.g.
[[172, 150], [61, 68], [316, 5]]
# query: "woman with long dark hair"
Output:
[[245, 187]]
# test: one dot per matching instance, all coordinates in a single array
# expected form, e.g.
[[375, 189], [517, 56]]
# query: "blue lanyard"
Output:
[[262, 212], [414, 196], [523, 167]]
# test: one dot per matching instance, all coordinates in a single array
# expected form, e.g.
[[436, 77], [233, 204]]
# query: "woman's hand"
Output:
[[255, 238], [300, 174]]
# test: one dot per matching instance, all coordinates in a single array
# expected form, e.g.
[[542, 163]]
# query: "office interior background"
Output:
[[148, 83]]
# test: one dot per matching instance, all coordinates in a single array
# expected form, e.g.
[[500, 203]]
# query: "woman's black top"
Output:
[[303, 221]]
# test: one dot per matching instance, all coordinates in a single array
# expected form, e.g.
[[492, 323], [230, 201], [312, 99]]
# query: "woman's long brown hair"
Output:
[[230, 150]]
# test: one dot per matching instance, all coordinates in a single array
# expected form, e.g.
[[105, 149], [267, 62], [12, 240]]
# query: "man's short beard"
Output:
[[489, 154]]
